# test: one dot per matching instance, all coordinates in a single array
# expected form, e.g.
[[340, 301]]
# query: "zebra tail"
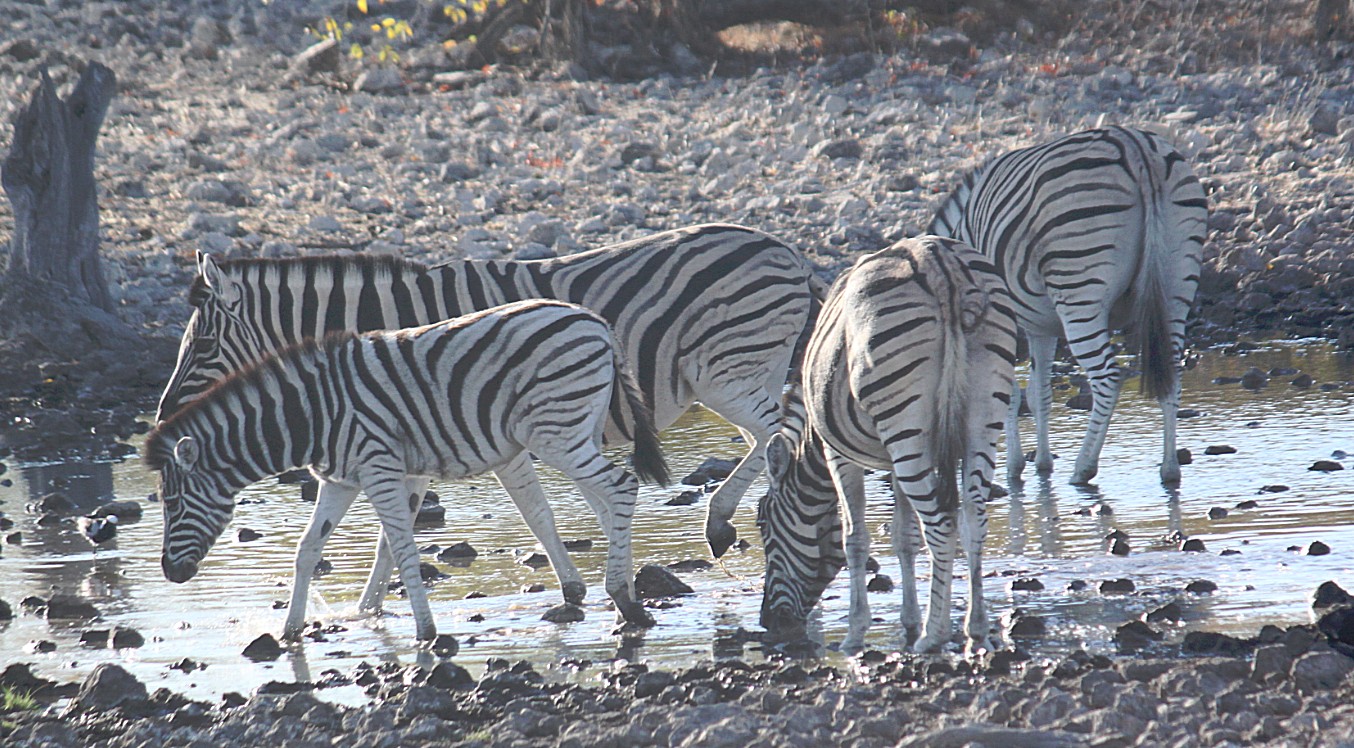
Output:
[[1150, 311], [949, 432], [649, 463]]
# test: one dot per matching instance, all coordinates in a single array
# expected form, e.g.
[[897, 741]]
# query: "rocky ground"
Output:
[[1284, 687], [225, 138]]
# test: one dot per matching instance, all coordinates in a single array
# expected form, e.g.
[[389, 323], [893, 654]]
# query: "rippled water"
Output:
[[1043, 529]]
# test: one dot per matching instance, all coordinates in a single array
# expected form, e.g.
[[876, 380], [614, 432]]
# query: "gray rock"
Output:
[[383, 80], [1270, 662], [653, 581], [107, 687], [1318, 671]]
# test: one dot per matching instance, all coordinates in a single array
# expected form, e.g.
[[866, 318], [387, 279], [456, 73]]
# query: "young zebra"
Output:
[[909, 369], [708, 313], [478, 393], [1097, 231]]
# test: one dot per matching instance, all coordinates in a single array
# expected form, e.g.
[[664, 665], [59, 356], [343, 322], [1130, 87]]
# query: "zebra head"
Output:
[[196, 506], [216, 342], [801, 532]]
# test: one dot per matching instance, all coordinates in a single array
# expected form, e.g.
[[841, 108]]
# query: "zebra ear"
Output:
[[186, 453], [779, 456], [215, 280]]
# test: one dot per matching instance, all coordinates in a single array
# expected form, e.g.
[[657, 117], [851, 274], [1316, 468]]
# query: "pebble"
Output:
[[653, 581], [1317, 548], [1326, 466], [1117, 586], [564, 613], [264, 648], [1201, 586], [1220, 449]]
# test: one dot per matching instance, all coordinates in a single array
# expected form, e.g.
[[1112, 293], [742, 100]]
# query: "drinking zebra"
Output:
[[708, 313], [909, 369], [478, 393], [1097, 231]]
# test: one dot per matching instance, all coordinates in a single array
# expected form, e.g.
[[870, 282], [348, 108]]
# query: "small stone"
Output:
[[1168, 613], [1320, 671], [379, 80], [1117, 586], [265, 647], [430, 572], [449, 675], [1220, 449], [108, 686], [653, 683], [460, 551], [533, 588], [66, 607], [581, 544], [879, 583], [564, 613], [1317, 548], [40, 646], [1026, 627], [246, 535], [690, 564], [1184, 456], [1192, 545], [1254, 379], [1135, 635], [1217, 512], [1077, 585], [653, 581], [1326, 466], [1274, 488], [1303, 380], [1247, 504], [685, 498], [1201, 586], [1330, 594], [535, 560], [1026, 584], [1120, 548]]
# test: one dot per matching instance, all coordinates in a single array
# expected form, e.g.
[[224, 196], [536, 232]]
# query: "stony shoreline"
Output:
[[1283, 687]]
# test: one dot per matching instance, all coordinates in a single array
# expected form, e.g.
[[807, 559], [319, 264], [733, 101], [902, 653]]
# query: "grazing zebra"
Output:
[[909, 369], [709, 313], [478, 393], [1097, 231]]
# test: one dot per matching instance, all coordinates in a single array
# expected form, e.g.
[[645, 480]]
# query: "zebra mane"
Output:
[[319, 265], [160, 442]]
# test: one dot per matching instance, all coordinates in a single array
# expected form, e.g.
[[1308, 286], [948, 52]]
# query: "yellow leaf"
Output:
[[362, 6], [376, 27], [355, 51]]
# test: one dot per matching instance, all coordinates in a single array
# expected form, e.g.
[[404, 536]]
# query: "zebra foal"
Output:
[[1097, 231], [909, 369], [478, 393], [707, 313]]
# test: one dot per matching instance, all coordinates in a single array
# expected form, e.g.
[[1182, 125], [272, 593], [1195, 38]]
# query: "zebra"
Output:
[[478, 393], [707, 313], [1099, 230], [909, 369]]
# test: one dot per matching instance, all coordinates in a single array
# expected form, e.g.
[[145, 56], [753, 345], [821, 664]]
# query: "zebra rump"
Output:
[[908, 370], [1096, 231]]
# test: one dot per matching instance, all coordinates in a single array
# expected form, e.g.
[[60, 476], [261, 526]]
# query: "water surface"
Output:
[[1045, 529]]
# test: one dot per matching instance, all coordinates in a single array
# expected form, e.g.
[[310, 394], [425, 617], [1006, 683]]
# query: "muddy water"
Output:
[[1044, 529]]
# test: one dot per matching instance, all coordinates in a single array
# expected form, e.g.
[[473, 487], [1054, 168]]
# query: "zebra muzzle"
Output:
[[178, 572]]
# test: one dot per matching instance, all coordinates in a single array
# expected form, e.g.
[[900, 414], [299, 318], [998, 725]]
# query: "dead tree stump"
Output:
[[49, 178]]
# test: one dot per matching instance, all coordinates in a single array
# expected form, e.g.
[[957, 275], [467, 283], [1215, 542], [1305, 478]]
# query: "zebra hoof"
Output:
[[574, 592], [636, 615], [721, 537]]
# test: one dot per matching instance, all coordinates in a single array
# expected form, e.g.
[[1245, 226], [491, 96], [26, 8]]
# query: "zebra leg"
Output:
[[1015, 455], [849, 478], [978, 469], [1040, 393], [385, 488], [906, 542], [1095, 353], [607, 485], [378, 582], [518, 478], [923, 492], [331, 504], [755, 416]]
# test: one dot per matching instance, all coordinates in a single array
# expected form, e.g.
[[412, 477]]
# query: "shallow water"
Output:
[[1043, 529]]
